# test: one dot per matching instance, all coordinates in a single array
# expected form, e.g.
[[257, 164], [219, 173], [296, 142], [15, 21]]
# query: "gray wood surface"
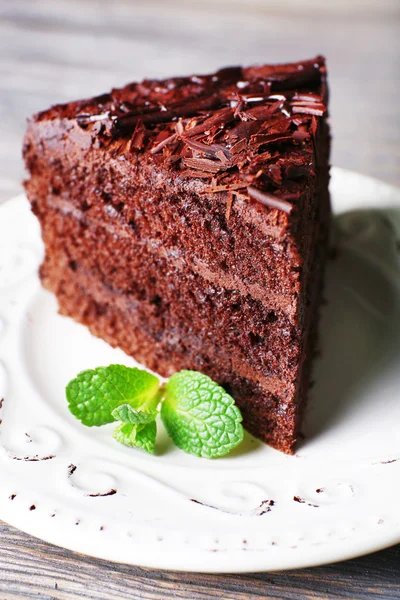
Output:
[[33, 569], [57, 50]]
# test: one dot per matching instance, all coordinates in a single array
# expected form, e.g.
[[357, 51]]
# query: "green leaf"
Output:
[[139, 436], [200, 416], [127, 414], [94, 394]]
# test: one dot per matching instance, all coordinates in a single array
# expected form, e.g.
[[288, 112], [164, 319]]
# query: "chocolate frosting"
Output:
[[241, 130]]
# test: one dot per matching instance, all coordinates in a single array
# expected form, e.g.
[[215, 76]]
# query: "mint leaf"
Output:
[[143, 437], [127, 414], [200, 416], [94, 394]]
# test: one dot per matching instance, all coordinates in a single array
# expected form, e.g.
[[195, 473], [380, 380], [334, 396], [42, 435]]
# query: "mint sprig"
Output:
[[201, 418]]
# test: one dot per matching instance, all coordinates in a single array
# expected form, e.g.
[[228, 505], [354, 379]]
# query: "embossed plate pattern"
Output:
[[253, 510]]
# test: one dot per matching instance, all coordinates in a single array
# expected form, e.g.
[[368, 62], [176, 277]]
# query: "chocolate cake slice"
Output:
[[186, 221]]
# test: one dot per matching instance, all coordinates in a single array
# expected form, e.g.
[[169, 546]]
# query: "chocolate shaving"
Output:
[[258, 161], [221, 156], [306, 97], [239, 107], [275, 172], [308, 109], [252, 98], [278, 124], [308, 75], [246, 116], [179, 127], [182, 109], [279, 97], [269, 200], [219, 119], [208, 150], [240, 159], [265, 112], [138, 136], [300, 136], [163, 143], [229, 187], [197, 174], [204, 164], [299, 120], [173, 159], [229, 201], [263, 139], [243, 130], [239, 146]]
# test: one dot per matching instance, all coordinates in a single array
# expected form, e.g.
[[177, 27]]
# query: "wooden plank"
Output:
[[33, 569]]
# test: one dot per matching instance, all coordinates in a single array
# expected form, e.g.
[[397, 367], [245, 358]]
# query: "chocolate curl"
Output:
[[269, 200]]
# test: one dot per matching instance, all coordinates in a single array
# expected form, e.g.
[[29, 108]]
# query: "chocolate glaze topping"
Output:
[[246, 130]]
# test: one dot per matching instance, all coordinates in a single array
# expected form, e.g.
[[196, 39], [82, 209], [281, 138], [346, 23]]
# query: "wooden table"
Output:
[[54, 51]]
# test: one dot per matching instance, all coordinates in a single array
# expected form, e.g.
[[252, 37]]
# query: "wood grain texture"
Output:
[[33, 569], [57, 50]]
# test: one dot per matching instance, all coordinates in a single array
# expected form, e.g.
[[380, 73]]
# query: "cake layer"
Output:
[[167, 328], [123, 268], [125, 274]]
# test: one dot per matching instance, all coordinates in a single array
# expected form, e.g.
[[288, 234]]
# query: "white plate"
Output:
[[254, 510]]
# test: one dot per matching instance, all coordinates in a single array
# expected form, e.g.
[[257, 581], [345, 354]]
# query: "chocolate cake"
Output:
[[186, 221]]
